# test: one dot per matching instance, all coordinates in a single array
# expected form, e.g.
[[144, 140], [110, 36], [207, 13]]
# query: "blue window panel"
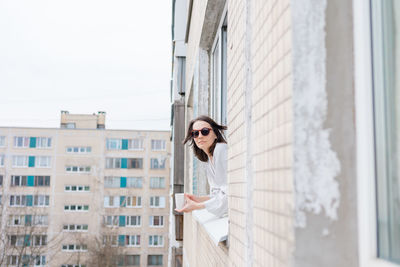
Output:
[[28, 220], [125, 144], [122, 220], [32, 142], [31, 161], [124, 163], [31, 180], [122, 202], [29, 200], [121, 240], [27, 240], [123, 182]]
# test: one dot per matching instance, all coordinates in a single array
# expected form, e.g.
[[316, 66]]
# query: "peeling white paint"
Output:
[[315, 163]]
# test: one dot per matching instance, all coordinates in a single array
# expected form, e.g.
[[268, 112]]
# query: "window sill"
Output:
[[217, 228]]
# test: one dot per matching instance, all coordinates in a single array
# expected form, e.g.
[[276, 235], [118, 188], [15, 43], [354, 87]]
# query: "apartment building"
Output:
[[308, 91], [81, 195]]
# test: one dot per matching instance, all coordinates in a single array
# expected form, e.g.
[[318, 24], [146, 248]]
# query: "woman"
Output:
[[209, 145]]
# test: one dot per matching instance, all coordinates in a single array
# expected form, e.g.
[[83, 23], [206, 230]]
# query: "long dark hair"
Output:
[[217, 129]]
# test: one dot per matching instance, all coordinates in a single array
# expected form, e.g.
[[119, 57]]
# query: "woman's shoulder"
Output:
[[220, 147]]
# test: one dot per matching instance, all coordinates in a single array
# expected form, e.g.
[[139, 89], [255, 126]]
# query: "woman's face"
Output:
[[204, 142]]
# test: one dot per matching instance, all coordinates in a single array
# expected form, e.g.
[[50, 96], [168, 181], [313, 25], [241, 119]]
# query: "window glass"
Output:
[[386, 66]]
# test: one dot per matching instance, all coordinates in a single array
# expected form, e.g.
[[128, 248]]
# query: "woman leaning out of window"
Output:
[[209, 145]]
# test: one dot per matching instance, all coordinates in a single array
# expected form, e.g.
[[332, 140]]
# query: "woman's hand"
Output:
[[191, 205]]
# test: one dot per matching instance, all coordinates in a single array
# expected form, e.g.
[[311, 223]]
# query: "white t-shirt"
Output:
[[217, 179]]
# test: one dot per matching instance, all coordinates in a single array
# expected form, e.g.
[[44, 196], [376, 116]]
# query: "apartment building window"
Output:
[[132, 240], [111, 201], [135, 163], [41, 200], [20, 161], [2, 160], [133, 220], [1, 180], [111, 220], [18, 240], [76, 208], [133, 201], [73, 265], [155, 260], [23, 180], [77, 169], [2, 141], [112, 182], [158, 145], [113, 163], [25, 260], [219, 74], [134, 182], [43, 161], [79, 149], [110, 240], [128, 260], [43, 142], [21, 141], [157, 182], [77, 188], [37, 220], [157, 202], [18, 201], [135, 144], [39, 240], [156, 221], [156, 163], [114, 144], [75, 227], [156, 241], [74, 247]]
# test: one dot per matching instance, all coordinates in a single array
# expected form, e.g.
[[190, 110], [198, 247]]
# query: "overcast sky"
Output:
[[85, 56]]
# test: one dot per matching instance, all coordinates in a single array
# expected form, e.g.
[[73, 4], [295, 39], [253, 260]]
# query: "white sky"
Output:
[[85, 56]]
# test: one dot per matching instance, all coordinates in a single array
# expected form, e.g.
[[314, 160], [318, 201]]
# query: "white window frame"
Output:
[[2, 157], [158, 163], [78, 149], [114, 144], [158, 145], [20, 161], [132, 240], [135, 144], [366, 187], [2, 141], [111, 220], [217, 97], [152, 240], [151, 221], [74, 248], [113, 163], [157, 181], [112, 182], [25, 141], [129, 221], [77, 188], [77, 169], [43, 162], [77, 208], [134, 182], [111, 201], [41, 201], [43, 142], [129, 201], [74, 228], [154, 200]]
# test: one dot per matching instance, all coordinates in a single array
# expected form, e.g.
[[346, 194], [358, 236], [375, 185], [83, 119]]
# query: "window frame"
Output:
[[366, 186]]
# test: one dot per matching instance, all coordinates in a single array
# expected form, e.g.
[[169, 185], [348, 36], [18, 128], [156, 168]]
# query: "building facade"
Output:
[[309, 94], [81, 195]]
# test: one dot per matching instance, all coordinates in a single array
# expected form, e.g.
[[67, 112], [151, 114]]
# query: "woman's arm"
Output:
[[197, 198]]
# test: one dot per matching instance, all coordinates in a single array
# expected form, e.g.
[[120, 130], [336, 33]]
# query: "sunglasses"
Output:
[[204, 132]]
